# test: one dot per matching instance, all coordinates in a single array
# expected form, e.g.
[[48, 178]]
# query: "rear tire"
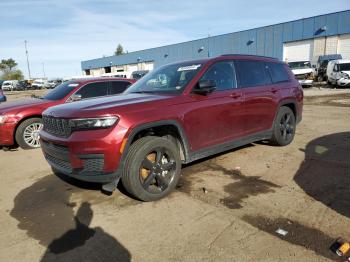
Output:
[[27, 133], [284, 127], [152, 168]]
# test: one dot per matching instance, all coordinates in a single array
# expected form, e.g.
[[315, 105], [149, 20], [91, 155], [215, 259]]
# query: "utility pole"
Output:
[[25, 46]]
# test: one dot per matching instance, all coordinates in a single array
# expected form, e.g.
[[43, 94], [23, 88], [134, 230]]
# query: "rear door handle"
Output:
[[274, 90], [235, 95]]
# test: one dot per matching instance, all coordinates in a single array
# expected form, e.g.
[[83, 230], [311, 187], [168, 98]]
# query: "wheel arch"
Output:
[[20, 122], [161, 128]]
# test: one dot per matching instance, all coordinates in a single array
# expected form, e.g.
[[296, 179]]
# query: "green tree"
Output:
[[119, 50], [6, 65], [13, 75], [9, 71]]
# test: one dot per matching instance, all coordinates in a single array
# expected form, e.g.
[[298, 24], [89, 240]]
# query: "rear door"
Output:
[[259, 95], [215, 118]]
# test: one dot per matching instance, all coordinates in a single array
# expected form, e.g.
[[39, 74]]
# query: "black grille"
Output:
[[61, 164], [94, 165], [302, 76], [57, 126]]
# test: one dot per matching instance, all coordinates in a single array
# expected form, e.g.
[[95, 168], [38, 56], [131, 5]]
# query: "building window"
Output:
[[87, 72], [108, 69]]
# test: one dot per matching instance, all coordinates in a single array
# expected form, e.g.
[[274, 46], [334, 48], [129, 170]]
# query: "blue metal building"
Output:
[[303, 39]]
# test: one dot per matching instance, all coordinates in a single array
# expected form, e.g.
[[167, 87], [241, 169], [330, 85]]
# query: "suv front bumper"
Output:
[[86, 155]]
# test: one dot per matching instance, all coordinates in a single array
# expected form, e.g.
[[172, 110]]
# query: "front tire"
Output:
[[152, 168], [284, 127], [27, 133]]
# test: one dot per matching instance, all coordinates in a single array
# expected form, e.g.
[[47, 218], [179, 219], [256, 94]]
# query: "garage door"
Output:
[[297, 51], [149, 66], [344, 46]]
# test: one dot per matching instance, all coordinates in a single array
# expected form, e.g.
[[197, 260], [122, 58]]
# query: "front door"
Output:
[[216, 118]]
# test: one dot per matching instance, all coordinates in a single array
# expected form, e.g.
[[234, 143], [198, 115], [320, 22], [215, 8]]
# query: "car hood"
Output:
[[93, 107], [302, 71], [346, 72], [19, 105]]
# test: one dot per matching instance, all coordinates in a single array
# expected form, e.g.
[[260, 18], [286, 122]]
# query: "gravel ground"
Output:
[[225, 208]]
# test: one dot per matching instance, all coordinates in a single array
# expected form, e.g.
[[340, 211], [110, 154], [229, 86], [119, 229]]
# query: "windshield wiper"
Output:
[[142, 92]]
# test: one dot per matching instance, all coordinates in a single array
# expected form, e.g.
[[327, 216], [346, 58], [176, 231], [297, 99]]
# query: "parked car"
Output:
[[53, 83], [303, 71], [338, 72], [9, 85], [38, 84], [22, 85], [2, 96], [322, 63], [138, 74], [175, 114], [20, 121]]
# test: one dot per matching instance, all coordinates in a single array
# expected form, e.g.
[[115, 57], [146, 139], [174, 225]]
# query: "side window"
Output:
[[278, 72], [118, 87], [93, 90], [252, 73], [335, 68], [223, 74]]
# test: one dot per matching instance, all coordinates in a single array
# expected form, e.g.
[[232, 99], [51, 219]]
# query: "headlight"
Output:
[[92, 123], [344, 75], [2, 119]]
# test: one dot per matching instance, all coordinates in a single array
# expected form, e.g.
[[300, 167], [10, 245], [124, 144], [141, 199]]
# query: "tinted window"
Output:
[[278, 73], [61, 91], [344, 67], [118, 87], [222, 74], [93, 90], [252, 73]]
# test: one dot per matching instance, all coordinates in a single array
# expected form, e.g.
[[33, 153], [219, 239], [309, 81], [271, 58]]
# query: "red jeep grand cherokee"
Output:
[[176, 114], [20, 121]]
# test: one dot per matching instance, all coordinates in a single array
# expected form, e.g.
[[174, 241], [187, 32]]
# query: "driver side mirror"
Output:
[[205, 87], [75, 97]]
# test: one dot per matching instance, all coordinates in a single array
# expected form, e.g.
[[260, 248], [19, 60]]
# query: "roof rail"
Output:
[[250, 55]]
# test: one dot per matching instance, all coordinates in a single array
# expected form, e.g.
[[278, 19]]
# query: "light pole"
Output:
[[25, 46]]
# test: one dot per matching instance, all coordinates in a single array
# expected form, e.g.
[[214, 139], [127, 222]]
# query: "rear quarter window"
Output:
[[278, 72]]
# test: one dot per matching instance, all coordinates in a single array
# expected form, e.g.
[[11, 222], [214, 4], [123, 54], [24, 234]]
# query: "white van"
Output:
[[338, 72], [9, 85], [39, 84]]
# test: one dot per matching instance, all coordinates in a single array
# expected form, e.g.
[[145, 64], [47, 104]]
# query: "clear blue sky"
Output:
[[62, 33]]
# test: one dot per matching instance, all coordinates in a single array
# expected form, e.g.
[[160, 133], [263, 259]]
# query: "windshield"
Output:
[[61, 91], [344, 67], [300, 65], [169, 79]]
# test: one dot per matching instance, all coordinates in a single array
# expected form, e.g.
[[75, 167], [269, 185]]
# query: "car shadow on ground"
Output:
[[83, 243], [46, 212], [324, 174]]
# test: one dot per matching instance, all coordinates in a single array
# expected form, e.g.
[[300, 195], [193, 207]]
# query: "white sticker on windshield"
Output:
[[188, 68], [73, 85]]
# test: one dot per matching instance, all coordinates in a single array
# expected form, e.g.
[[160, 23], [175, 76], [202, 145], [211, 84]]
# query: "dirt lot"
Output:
[[226, 208]]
